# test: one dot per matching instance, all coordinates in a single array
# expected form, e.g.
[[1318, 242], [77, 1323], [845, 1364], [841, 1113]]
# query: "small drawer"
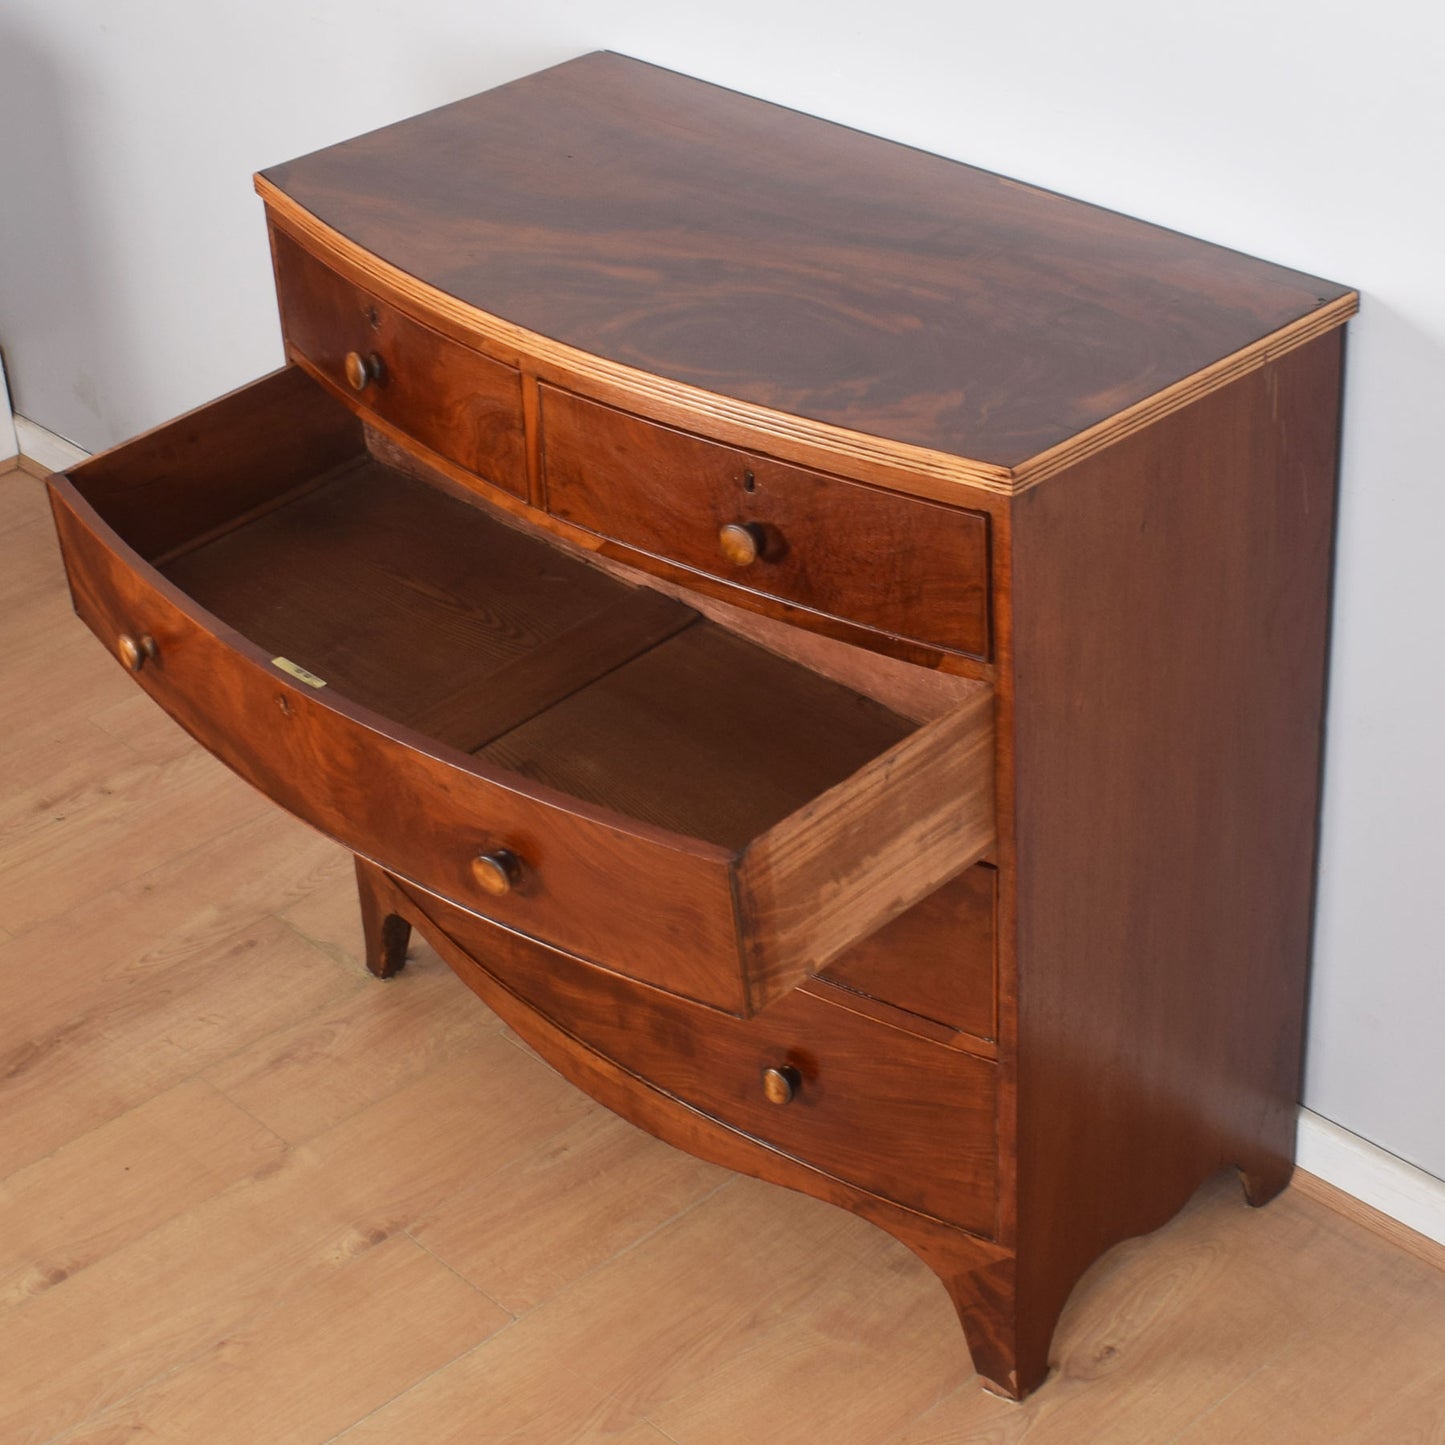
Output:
[[853, 1096], [896, 564], [464, 406], [587, 763]]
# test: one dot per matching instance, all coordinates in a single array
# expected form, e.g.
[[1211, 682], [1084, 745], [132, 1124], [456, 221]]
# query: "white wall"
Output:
[[9, 447], [134, 282]]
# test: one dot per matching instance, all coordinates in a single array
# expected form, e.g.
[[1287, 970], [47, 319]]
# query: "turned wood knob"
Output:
[[781, 1085], [361, 370], [134, 650], [498, 871], [741, 543]]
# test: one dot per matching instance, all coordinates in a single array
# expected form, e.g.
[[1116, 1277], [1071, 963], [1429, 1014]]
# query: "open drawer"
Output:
[[588, 763]]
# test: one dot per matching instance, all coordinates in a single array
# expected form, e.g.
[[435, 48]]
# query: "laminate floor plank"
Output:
[[179, 1293], [115, 951], [372, 1042], [136, 721], [117, 832], [29, 561], [115, 1184], [872, 1348], [327, 914], [75, 1073], [513, 1388], [56, 678], [22, 497], [598, 1188], [138, 988], [392, 1165], [747, 1258], [325, 1355], [1162, 1329]]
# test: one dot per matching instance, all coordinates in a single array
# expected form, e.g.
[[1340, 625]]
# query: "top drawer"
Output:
[[462, 405], [900, 565]]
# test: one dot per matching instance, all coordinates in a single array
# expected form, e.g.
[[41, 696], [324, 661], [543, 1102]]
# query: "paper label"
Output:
[[298, 672]]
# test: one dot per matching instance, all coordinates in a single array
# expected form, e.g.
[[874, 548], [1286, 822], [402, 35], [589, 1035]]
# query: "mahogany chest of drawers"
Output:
[[827, 642]]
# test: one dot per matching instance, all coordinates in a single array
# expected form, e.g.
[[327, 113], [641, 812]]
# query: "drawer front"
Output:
[[459, 403], [903, 1117], [662, 905], [899, 565]]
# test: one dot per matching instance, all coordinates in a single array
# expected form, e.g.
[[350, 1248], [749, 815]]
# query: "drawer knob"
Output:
[[498, 871], [780, 1086], [361, 370], [741, 543], [134, 651]]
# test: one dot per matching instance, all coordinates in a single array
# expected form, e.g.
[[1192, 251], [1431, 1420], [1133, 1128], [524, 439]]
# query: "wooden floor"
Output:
[[252, 1195]]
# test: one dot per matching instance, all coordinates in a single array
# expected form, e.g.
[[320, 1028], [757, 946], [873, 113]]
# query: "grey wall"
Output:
[[134, 283]]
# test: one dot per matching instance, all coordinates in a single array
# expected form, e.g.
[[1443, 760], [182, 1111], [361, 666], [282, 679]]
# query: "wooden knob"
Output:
[[361, 370], [498, 871], [134, 651], [781, 1085], [741, 543]]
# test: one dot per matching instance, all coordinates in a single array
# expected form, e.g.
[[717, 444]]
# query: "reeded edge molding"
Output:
[[1172, 398], [902, 459]]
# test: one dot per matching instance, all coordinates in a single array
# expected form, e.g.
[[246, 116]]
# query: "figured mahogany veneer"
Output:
[[906, 567], [461, 404], [868, 1093], [827, 642]]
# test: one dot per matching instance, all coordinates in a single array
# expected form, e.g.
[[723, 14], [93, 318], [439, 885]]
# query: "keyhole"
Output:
[[750, 482]]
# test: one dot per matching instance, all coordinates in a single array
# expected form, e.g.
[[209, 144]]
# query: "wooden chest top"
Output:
[[747, 250]]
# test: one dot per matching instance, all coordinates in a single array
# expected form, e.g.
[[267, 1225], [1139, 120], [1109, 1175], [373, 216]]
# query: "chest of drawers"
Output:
[[827, 642]]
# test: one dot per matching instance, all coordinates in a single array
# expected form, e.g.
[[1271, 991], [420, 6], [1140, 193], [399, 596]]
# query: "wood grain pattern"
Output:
[[703, 735], [860, 854], [237, 455], [871, 1095], [561, 662], [419, 607], [433, 814], [1161, 1005], [118, 1182], [450, 397], [747, 613], [544, 1221], [876, 289], [281, 1346], [937, 959], [483, 708], [907, 567]]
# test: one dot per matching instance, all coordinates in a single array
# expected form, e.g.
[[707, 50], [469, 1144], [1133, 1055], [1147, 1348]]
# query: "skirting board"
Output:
[[1351, 1164], [1367, 1173], [52, 452]]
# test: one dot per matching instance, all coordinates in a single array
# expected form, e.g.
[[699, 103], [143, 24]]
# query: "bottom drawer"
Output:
[[871, 1104]]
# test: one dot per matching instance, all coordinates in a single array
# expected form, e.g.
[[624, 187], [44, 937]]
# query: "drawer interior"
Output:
[[439, 617]]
